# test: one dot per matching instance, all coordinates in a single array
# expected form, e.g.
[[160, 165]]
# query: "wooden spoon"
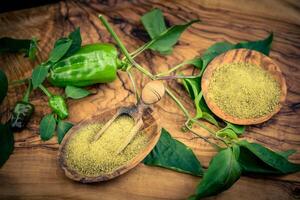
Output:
[[238, 56], [145, 119]]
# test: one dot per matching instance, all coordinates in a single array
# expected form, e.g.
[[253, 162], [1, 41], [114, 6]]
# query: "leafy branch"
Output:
[[237, 157]]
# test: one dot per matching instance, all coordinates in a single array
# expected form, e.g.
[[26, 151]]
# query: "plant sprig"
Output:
[[234, 153]]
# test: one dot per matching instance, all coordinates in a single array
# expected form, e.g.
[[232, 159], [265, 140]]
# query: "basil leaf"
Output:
[[6, 143], [172, 154], [223, 172], [76, 42], [61, 47], [75, 92], [276, 163], [11, 45], [154, 23], [167, 39], [39, 74], [62, 129], [4, 85], [47, 127]]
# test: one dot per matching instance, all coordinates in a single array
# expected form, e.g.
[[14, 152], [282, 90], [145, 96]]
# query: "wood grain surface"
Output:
[[32, 171]]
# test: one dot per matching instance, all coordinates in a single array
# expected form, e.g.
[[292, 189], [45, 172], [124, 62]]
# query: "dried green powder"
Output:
[[92, 159], [244, 90]]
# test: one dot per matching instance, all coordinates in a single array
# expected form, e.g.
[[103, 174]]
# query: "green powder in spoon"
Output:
[[92, 159], [244, 90]]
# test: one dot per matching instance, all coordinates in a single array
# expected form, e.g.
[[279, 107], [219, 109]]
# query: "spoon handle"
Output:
[[131, 135], [105, 127]]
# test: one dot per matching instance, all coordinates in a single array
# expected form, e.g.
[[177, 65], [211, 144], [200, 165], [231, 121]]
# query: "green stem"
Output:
[[28, 91], [141, 49], [45, 90], [137, 96], [203, 138], [176, 77], [184, 110], [138, 50], [209, 130], [122, 47], [171, 70], [21, 81], [143, 70]]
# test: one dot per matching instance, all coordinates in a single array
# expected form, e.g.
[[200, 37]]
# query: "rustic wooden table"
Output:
[[32, 171]]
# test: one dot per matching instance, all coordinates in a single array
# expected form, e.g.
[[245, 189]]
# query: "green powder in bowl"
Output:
[[243, 90], [96, 158]]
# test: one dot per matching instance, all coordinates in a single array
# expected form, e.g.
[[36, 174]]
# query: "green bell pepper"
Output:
[[93, 63]]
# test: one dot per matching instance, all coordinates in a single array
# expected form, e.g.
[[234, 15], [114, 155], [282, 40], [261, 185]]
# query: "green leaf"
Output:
[[47, 127], [192, 86], [39, 74], [6, 143], [202, 110], [76, 42], [11, 45], [251, 164], [210, 118], [287, 153], [262, 46], [167, 39], [163, 39], [75, 92], [223, 172], [61, 47], [4, 85], [215, 50], [62, 129], [229, 133], [273, 162], [197, 62], [238, 129], [172, 154], [154, 23], [32, 49]]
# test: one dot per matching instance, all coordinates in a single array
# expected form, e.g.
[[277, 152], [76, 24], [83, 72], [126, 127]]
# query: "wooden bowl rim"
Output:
[[273, 70], [72, 174]]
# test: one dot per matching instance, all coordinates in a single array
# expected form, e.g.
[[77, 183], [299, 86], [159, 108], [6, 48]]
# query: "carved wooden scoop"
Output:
[[145, 120]]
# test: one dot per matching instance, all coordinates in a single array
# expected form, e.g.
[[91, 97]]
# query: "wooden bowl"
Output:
[[238, 56], [150, 127]]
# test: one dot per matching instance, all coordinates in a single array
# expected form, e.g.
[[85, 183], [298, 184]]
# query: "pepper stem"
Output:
[[122, 47], [137, 96], [45, 90], [28, 91]]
